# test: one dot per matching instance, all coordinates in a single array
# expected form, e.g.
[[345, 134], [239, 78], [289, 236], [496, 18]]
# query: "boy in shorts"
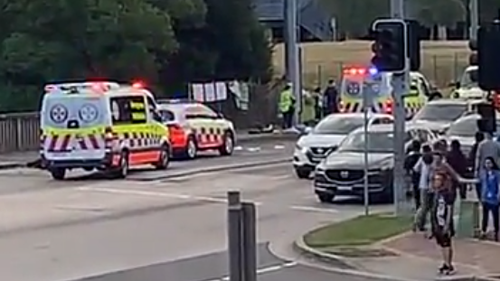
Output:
[[442, 220]]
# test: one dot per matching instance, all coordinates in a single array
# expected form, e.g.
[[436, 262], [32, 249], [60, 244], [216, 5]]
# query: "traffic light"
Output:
[[389, 47], [487, 120], [413, 44], [488, 56]]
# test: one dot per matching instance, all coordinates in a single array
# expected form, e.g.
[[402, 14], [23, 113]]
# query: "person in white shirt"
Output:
[[424, 168]]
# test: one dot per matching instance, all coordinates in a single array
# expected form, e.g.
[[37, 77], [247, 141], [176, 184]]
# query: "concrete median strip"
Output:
[[11, 165], [218, 168]]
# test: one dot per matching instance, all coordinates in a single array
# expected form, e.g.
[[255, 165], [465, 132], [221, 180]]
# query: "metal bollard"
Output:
[[249, 242], [235, 243]]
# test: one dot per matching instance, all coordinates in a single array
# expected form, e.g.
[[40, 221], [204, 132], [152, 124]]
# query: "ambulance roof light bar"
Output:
[[360, 71], [72, 88]]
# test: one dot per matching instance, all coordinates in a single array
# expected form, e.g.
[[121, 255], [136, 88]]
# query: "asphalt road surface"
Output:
[[56, 231], [213, 267]]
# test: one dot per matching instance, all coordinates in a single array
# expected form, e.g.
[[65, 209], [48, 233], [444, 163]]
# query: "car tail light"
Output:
[[176, 131], [388, 107], [109, 137]]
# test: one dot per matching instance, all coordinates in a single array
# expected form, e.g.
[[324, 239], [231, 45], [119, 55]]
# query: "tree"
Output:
[[165, 42]]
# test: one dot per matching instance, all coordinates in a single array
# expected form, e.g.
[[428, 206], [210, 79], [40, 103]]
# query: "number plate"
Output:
[[317, 159], [344, 188]]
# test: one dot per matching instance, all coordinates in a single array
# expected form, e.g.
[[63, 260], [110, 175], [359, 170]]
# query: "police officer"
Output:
[[331, 98], [287, 106]]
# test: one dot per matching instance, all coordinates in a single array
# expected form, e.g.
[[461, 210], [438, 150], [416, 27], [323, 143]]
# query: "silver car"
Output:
[[325, 137]]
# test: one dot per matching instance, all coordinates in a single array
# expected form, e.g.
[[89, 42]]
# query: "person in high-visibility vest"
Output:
[[287, 106], [307, 114]]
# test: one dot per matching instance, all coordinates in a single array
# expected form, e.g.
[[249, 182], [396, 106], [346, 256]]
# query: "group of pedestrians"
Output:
[[440, 174], [314, 105]]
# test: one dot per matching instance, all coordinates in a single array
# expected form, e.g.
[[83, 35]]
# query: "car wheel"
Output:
[[123, 168], [191, 149], [58, 173], [227, 147], [326, 198], [164, 159], [302, 173]]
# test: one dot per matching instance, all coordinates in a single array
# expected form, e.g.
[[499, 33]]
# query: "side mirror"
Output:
[[157, 116]]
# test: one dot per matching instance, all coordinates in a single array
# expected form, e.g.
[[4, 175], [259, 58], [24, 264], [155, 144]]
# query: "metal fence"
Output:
[[21, 131], [439, 69]]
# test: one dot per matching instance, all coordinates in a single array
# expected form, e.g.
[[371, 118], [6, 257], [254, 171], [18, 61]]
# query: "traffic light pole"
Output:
[[400, 88], [292, 54]]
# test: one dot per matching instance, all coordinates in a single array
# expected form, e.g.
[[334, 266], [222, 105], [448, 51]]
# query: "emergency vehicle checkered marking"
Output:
[[138, 140], [358, 107], [68, 142], [209, 135]]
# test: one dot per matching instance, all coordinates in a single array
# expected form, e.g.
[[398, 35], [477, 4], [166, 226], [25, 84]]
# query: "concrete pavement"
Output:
[[91, 228]]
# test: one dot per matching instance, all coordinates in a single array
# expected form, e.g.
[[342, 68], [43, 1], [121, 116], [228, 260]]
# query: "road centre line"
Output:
[[157, 194], [263, 270]]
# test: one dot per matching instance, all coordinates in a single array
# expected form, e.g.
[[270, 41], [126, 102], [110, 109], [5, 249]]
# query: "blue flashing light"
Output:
[[373, 71]]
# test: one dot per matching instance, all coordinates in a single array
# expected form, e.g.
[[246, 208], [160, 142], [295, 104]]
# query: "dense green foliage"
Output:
[[167, 43], [355, 16]]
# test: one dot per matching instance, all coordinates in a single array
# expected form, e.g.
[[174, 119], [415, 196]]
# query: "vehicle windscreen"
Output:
[[466, 127], [338, 125], [354, 86], [469, 79], [73, 111], [441, 112], [378, 142]]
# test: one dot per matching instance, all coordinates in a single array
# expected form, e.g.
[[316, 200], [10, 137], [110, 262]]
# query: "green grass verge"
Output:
[[359, 231]]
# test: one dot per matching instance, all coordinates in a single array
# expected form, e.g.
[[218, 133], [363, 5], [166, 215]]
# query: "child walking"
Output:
[[442, 220], [490, 196]]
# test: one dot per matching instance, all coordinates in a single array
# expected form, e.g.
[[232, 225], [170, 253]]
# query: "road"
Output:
[[55, 231], [213, 267]]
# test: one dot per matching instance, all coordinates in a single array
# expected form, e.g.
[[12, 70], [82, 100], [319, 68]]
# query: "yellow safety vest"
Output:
[[286, 100]]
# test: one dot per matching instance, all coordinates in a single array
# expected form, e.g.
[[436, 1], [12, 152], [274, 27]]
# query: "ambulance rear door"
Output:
[[74, 125]]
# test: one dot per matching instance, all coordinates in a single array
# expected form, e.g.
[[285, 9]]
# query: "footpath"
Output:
[[392, 250], [23, 158]]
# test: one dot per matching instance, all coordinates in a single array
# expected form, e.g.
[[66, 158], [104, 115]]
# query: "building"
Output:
[[314, 22]]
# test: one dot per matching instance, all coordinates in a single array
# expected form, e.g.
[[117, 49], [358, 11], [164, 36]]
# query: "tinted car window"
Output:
[[466, 127], [377, 142], [340, 125], [441, 112], [167, 115]]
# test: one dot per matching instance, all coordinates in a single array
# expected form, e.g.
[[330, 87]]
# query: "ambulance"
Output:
[[101, 126], [377, 86]]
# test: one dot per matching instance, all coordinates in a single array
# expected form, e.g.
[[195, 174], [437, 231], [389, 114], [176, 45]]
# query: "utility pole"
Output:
[[400, 88], [292, 56], [474, 19]]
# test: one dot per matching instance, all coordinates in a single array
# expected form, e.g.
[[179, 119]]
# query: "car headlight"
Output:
[[301, 148], [319, 170]]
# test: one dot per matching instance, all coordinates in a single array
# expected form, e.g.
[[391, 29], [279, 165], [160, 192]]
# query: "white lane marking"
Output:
[[313, 209], [253, 149], [238, 148], [158, 194], [279, 147], [263, 270]]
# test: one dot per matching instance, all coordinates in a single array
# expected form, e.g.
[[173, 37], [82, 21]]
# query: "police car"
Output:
[[195, 127], [103, 126]]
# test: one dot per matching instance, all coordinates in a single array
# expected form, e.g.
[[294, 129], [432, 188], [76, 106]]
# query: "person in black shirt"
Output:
[[457, 160], [330, 98], [411, 159], [442, 221]]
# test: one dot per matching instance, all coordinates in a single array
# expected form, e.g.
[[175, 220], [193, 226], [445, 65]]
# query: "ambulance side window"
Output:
[[128, 110]]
